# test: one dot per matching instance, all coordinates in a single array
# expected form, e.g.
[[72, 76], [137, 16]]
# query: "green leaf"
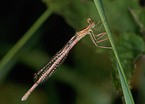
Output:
[[129, 47]]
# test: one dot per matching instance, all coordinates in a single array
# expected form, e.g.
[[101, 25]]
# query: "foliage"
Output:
[[129, 47], [87, 70]]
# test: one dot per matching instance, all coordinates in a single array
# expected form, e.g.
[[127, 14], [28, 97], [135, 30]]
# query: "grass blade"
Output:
[[15, 49], [125, 87]]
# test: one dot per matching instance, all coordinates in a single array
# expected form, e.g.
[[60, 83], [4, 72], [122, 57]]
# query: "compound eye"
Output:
[[89, 20]]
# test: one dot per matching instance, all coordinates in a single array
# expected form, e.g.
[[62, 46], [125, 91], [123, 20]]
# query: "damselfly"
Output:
[[50, 68]]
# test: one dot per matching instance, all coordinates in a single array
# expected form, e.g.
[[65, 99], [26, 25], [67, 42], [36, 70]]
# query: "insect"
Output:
[[50, 68]]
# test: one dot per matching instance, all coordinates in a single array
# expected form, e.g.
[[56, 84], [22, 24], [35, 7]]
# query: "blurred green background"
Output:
[[89, 74]]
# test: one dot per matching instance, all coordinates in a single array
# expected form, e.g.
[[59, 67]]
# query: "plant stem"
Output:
[[15, 49], [126, 90]]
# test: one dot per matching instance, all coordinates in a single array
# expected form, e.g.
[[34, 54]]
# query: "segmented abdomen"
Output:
[[56, 61]]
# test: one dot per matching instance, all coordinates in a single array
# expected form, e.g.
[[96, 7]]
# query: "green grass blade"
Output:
[[12, 52], [125, 87]]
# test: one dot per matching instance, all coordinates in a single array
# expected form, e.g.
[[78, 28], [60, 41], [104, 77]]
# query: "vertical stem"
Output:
[[126, 90]]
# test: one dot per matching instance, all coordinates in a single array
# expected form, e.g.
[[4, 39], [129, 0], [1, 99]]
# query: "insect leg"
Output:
[[100, 26], [92, 36]]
